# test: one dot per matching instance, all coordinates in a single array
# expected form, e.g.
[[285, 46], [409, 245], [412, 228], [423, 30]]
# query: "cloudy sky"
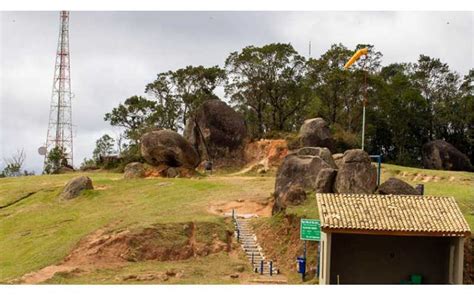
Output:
[[115, 54]]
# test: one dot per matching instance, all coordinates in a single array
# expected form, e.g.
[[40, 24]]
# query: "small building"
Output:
[[390, 239]]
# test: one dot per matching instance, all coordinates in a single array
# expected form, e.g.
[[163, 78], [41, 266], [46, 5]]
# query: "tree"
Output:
[[104, 146], [268, 84], [55, 159], [135, 114], [439, 87], [14, 164], [399, 119], [180, 92]]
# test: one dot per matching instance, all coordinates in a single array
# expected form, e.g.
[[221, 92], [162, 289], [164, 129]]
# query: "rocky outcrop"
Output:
[[293, 196], [396, 186], [325, 180], [338, 159], [356, 174], [134, 170], [166, 147], [74, 187], [315, 133], [440, 155], [217, 132], [301, 169]]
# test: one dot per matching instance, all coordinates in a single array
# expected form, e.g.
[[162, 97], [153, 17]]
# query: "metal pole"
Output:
[[363, 109], [271, 268], [305, 249], [379, 169], [318, 260], [253, 258], [261, 267], [363, 126]]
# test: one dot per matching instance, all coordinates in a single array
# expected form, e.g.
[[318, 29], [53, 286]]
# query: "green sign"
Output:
[[310, 230]]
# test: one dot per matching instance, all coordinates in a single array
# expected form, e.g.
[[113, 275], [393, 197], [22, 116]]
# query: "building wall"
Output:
[[374, 259]]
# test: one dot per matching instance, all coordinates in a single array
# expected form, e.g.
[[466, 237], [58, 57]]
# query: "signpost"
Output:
[[310, 230]]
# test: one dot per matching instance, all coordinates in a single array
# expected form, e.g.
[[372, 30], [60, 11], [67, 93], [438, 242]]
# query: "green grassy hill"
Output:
[[38, 230]]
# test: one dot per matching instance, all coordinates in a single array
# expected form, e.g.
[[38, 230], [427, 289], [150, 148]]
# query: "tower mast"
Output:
[[60, 115]]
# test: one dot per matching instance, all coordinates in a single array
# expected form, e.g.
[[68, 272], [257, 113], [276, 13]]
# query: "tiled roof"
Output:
[[404, 214]]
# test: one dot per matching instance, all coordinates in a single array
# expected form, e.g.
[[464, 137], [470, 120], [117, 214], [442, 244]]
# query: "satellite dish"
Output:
[[42, 150]]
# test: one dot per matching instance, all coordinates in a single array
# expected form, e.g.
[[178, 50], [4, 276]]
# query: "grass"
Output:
[[41, 230]]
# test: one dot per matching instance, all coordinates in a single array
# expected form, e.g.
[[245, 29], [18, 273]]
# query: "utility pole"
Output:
[[60, 115], [309, 50]]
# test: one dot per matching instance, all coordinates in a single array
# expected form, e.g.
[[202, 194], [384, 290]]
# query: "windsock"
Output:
[[356, 56]]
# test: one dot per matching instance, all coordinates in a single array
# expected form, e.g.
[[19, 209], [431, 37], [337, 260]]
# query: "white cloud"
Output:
[[115, 54]]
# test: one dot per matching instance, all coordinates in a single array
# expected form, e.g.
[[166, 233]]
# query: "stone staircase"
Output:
[[253, 251]]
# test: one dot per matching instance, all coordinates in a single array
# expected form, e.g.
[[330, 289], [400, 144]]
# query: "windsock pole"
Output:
[[352, 60]]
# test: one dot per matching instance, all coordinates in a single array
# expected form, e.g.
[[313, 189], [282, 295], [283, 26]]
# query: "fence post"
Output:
[[271, 268], [253, 258], [261, 267]]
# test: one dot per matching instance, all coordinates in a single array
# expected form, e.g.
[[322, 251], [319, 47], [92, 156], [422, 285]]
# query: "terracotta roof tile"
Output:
[[434, 215]]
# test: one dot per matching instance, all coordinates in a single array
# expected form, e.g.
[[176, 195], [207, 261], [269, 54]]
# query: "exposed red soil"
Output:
[[107, 249], [260, 208], [264, 154]]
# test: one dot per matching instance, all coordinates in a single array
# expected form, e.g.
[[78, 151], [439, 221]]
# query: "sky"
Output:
[[115, 54]]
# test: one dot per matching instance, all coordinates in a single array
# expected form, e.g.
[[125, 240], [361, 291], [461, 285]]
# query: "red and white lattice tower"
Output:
[[60, 114]]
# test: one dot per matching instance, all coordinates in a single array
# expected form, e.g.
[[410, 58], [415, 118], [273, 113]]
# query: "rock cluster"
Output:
[[440, 155]]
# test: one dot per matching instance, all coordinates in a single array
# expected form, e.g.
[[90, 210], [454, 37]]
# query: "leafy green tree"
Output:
[[268, 81], [14, 164], [104, 146], [55, 159], [399, 121], [180, 92], [135, 115]]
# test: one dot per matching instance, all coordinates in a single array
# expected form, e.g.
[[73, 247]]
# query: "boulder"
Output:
[[440, 155], [134, 170], [396, 186], [325, 180], [74, 187], [355, 174], [338, 159], [315, 133], [166, 147], [294, 196], [216, 131], [302, 168]]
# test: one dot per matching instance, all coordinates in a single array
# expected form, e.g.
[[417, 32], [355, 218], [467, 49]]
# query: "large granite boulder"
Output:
[[305, 169], [397, 187], [440, 155], [166, 147], [315, 133], [216, 131], [134, 170], [338, 159], [74, 187], [355, 174], [294, 195]]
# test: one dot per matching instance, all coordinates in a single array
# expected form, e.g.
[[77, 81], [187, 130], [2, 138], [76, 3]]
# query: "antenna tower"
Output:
[[60, 114]]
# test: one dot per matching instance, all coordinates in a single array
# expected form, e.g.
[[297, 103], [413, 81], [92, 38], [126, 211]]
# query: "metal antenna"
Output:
[[60, 113]]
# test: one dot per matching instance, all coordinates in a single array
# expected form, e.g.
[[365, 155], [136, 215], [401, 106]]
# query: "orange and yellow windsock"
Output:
[[356, 56]]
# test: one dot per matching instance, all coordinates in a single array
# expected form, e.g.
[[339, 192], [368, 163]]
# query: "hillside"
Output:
[[180, 217]]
